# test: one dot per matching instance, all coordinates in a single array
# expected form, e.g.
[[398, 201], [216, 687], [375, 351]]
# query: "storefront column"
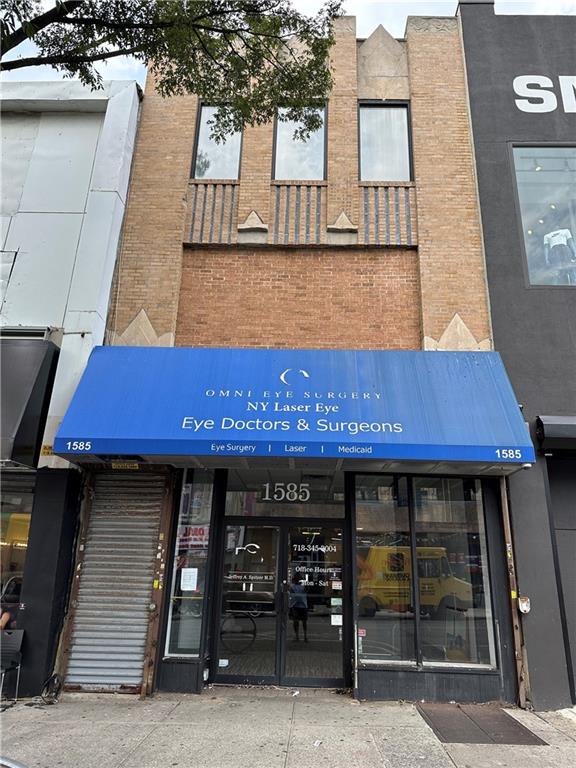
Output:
[[536, 568], [47, 574]]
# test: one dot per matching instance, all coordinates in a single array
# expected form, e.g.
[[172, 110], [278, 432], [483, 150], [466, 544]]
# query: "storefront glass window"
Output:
[[384, 145], [455, 605], [15, 525], [190, 567], [284, 493], [546, 179], [451, 578], [295, 159], [384, 574], [216, 161]]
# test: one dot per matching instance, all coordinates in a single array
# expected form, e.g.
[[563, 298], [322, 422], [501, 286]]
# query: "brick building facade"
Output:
[[251, 310], [427, 272]]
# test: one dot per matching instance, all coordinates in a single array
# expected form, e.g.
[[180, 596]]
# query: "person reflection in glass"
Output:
[[299, 607]]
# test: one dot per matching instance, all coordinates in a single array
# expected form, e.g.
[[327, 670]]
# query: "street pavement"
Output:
[[247, 727]]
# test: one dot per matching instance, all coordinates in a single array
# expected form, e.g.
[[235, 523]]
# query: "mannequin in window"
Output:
[[559, 247], [560, 254]]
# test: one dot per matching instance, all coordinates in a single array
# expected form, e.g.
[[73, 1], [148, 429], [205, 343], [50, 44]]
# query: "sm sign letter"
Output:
[[538, 95]]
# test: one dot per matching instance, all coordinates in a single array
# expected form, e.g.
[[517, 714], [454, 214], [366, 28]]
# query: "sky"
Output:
[[391, 14]]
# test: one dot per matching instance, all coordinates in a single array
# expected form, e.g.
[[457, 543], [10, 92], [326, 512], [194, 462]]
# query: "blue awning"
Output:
[[219, 404]]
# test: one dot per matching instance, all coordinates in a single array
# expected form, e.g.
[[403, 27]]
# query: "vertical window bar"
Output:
[[397, 215], [203, 215], [193, 224], [222, 209], [287, 217], [307, 235], [387, 213], [231, 219], [277, 215], [377, 214], [297, 215], [408, 216], [366, 216], [352, 588], [318, 212], [415, 577], [212, 212]]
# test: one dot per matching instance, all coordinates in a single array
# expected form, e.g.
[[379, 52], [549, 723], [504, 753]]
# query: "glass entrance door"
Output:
[[281, 618], [248, 628], [314, 632]]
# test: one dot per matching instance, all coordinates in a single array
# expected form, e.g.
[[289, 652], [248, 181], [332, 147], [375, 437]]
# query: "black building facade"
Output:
[[521, 73], [39, 509]]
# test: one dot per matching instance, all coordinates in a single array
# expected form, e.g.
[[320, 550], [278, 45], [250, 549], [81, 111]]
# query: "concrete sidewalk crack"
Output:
[[174, 708], [554, 727], [382, 758], [448, 755], [144, 738], [290, 734], [137, 746]]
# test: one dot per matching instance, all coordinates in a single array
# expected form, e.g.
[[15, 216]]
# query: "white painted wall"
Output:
[[66, 154]]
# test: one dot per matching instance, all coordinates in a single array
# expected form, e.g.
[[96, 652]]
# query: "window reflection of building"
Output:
[[546, 179], [215, 160]]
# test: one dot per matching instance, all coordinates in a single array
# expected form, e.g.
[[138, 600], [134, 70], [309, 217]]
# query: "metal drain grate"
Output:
[[476, 724]]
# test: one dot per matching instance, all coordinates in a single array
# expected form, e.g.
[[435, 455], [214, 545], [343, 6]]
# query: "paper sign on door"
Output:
[[189, 579]]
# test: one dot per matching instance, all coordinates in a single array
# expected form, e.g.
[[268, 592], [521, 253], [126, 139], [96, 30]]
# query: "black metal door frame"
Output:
[[281, 596]]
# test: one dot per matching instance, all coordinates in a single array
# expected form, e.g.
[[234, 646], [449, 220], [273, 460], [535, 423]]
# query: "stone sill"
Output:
[[386, 184], [282, 183]]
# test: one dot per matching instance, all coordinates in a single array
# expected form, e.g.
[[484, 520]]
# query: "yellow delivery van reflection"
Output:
[[385, 581]]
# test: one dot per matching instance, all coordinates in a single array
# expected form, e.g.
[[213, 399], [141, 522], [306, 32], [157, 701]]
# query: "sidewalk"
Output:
[[259, 728]]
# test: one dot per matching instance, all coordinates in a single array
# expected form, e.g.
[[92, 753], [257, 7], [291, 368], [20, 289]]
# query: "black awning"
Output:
[[558, 432], [27, 368]]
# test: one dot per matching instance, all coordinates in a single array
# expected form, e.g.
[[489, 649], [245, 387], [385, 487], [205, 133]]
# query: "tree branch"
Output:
[[30, 28], [87, 21], [34, 61], [238, 30], [96, 22], [234, 51], [274, 62], [208, 53]]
